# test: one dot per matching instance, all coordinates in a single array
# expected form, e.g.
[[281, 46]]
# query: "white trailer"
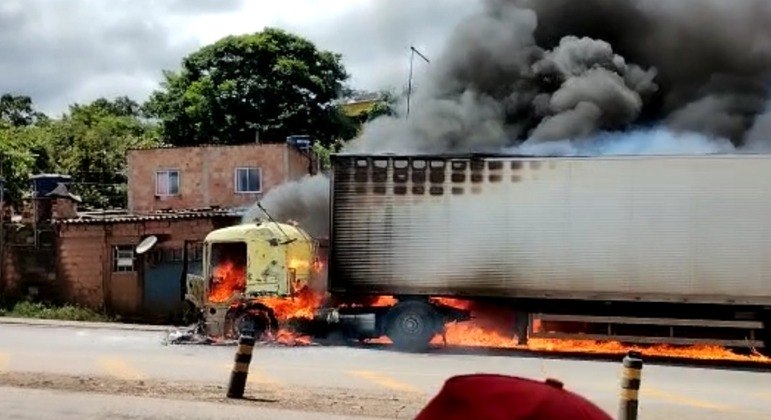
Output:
[[639, 248]]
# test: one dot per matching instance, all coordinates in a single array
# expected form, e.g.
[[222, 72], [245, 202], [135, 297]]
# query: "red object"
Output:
[[498, 397]]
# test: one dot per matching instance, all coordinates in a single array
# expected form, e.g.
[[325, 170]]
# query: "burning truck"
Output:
[[637, 249]]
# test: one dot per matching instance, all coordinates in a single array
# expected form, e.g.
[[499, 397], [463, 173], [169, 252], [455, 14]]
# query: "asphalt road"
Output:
[[667, 391], [24, 404]]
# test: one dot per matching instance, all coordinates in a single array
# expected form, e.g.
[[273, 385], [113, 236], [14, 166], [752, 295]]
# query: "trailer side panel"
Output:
[[669, 229]]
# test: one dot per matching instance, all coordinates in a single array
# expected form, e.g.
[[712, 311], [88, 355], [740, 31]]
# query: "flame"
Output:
[[384, 301], [292, 339], [455, 303], [303, 304], [487, 329], [297, 264], [468, 334], [228, 278]]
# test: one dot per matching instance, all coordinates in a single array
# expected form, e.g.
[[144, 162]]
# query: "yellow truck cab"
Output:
[[245, 262]]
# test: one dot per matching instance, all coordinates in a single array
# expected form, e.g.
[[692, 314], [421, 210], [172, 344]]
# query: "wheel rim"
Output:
[[411, 324]]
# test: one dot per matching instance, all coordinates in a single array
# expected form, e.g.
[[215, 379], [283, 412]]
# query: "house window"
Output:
[[167, 183], [123, 259], [248, 180]]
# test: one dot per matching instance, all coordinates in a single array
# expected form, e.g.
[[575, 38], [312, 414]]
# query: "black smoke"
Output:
[[545, 70], [584, 77]]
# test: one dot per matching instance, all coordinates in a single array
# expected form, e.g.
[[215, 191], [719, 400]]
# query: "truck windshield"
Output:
[[227, 270]]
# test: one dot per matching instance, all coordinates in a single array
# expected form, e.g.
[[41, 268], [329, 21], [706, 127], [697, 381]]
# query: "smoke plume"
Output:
[[305, 201], [544, 70], [591, 77], [760, 135]]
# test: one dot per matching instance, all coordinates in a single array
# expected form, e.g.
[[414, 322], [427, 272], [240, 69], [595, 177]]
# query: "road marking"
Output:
[[256, 376], [683, 400], [763, 395], [4, 359], [119, 368], [384, 380]]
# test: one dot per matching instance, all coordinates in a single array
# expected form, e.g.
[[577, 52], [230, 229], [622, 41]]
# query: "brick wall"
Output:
[[26, 265], [207, 174], [81, 258], [85, 259]]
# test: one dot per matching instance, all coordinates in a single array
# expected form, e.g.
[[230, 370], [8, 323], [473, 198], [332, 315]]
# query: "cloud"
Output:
[[61, 52]]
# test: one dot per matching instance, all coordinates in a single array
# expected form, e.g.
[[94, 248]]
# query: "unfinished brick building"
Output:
[[215, 176]]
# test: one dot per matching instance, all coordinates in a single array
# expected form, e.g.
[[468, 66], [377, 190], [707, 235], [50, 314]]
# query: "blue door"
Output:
[[162, 288]]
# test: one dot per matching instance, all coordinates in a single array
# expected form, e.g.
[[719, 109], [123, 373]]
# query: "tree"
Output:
[[122, 106], [90, 144], [17, 111], [272, 82], [16, 162]]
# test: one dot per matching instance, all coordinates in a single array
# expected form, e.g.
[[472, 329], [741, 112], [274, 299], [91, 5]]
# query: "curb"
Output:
[[84, 324]]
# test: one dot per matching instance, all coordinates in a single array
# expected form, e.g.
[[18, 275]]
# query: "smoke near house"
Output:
[[305, 202], [590, 77]]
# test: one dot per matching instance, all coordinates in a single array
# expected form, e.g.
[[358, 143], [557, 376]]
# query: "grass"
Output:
[[68, 312]]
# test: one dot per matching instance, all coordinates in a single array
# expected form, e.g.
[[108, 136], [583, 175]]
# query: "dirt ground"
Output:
[[331, 400]]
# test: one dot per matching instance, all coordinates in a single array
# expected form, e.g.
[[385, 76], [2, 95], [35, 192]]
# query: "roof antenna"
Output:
[[288, 239]]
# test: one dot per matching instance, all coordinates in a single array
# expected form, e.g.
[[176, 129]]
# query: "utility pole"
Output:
[[413, 51]]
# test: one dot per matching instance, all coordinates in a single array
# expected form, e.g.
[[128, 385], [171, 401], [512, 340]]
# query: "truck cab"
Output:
[[247, 262]]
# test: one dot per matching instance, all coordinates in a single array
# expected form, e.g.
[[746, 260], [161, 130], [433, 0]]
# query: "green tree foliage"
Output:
[[17, 111], [16, 161], [271, 82], [88, 143]]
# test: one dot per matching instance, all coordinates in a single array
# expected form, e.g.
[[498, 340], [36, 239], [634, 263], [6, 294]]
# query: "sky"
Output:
[[61, 52]]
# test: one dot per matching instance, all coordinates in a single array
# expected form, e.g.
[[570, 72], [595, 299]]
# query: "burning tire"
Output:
[[411, 325], [254, 319]]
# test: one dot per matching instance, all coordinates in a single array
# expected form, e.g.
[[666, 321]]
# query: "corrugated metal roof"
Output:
[[110, 217], [208, 146]]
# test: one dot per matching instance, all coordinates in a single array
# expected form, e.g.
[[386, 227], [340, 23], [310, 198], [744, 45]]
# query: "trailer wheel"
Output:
[[411, 325]]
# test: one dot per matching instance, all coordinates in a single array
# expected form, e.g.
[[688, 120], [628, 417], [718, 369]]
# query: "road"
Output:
[[74, 364]]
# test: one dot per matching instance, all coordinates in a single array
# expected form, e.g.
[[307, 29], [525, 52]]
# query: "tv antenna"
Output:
[[413, 52]]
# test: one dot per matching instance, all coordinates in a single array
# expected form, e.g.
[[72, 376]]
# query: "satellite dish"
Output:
[[146, 244]]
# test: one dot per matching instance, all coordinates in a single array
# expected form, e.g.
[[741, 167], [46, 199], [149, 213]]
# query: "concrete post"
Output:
[[241, 366], [630, 386]]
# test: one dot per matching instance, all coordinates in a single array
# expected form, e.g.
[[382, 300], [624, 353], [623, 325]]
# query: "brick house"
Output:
[[176, 197], [98, 262], [215, 176]]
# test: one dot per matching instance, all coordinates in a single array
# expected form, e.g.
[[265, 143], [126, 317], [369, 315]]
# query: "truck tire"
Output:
[[254, 319], [411, 325]]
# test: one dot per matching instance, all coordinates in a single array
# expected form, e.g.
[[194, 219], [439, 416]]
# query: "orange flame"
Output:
[[468, 334], [289, 338], [304, 304], [385, 301], [228, 278], [487, 329]]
